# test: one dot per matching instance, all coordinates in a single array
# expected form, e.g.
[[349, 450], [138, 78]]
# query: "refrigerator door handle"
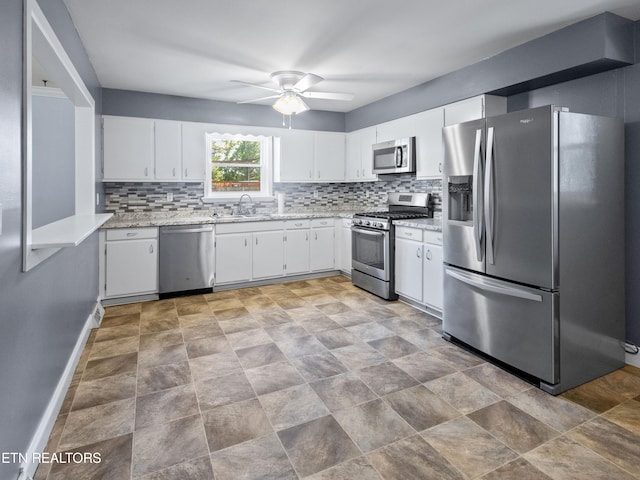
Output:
[[489, 286], [478, 219], [488, 195]]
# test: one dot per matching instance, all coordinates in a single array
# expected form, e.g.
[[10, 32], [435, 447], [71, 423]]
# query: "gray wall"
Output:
[[613, 94], [168, 107], [42, 311], [53, 159]]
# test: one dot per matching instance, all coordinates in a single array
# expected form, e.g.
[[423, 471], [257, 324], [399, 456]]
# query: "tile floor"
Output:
[[318, 379]]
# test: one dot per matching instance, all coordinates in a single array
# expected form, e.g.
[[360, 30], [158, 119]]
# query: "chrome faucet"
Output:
[[240, 210]]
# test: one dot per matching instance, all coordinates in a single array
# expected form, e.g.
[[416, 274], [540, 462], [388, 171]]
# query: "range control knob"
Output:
[[366, 222], [379, 224]]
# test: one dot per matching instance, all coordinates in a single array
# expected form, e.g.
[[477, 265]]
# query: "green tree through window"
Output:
[[235, 165]]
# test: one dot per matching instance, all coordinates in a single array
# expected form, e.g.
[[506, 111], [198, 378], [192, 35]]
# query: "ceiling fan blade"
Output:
[[271, 89], [328, 95], [308, 81], [261, 98]]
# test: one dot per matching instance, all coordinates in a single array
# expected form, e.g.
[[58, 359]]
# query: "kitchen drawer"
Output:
[[131, 233], [296, 224], [321, 222], [409, 233], [432, 236], [245, 227]]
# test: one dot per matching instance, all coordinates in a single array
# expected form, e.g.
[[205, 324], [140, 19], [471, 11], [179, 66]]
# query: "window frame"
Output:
[[266, 167]]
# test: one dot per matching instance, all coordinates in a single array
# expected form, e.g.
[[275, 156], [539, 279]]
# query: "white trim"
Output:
[[50, 92], [266, 167], [40, 41], [632, 360], [48, 419]]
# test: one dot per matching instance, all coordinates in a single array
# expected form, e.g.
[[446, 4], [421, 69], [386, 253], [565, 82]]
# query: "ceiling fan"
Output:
[[291, 87]]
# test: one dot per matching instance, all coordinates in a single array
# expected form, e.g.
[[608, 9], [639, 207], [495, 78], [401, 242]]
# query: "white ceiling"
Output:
[[372, 48]]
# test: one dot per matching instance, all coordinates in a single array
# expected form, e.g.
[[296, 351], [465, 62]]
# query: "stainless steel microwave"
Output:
[[395, 156]]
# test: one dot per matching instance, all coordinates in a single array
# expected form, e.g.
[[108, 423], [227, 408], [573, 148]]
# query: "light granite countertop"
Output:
[[134, 220], [434, 224]]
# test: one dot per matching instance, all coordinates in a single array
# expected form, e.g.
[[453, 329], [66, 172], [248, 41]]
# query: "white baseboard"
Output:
[[48, 419], [632, 360]]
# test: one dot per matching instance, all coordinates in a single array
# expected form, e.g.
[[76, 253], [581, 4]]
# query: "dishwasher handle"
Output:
[[188, 229]]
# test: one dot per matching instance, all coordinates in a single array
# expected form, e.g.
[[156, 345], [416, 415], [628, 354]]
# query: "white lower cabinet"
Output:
[[268, 254], [296, 247], [408, 258], [432, 270], [322, 244], [343, 244], [130, 264], [418, 266], [233, 257]]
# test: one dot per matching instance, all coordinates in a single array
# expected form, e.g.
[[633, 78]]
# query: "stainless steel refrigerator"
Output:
[[533, 210]]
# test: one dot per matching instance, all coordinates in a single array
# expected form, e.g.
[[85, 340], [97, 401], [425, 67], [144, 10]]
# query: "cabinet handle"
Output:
[[310, 174], [418, 252], [186, 172], [146, 172], [299, 224], [357, 173], [256, 240], [174, 171], [151, 248], [409, 234], [363, 175], [440, 167], [316, 235], [306, 237], [323, 223], [132, 234], [245, 242], [318, 173], [428, 254]]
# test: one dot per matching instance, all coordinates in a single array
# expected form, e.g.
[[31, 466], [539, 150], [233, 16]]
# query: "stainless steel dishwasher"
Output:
[[186, 258]]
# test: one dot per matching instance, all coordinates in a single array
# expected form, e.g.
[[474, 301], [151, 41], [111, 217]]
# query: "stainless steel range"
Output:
[[373, 238]]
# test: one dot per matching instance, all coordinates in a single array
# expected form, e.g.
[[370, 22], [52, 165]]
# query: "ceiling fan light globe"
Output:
[[290, 104]]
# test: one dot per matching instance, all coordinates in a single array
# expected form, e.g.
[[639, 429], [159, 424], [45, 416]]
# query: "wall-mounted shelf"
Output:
[[68, 232]]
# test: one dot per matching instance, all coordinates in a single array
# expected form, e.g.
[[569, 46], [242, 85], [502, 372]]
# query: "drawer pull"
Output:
[[132, 234]]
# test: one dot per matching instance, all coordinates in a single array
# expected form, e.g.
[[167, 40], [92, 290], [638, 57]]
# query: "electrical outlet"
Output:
[[169, 196]]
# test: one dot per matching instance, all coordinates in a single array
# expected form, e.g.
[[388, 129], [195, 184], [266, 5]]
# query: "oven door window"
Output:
[[370, 252]]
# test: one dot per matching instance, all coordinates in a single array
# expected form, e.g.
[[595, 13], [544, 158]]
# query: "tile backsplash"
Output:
[[140, 197]]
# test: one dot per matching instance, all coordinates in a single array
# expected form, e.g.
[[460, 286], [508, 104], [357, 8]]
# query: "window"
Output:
[[238, 164]]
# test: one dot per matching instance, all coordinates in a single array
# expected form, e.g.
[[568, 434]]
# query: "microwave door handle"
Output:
[[398, 156], [488, 196], [478, 218]]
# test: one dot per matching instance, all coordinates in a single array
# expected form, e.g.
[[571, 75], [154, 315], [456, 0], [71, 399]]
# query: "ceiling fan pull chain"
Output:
[[283, 122]]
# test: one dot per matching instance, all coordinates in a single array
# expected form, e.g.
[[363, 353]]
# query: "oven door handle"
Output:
[[369, 232]]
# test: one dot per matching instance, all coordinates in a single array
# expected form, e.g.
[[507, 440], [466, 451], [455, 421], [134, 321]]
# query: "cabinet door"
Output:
[[131, 267], [233, 258], [464, 111], [353, 160], [429, 147], [433, 276], [268, 254], [296, 251], [408, 273], [128, 148], [193, 151], [329, 156], [168, 150], [345, 248], [322, 249], [367, 140], [296, 157], [393, 130]]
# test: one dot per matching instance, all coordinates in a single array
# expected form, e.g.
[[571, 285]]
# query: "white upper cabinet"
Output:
[[143, 149], [429, 149], [359, 159], [128, 148], [394, 129], [193, 151], [474, 108], [310, 157], [168, 150], [329, 156]]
